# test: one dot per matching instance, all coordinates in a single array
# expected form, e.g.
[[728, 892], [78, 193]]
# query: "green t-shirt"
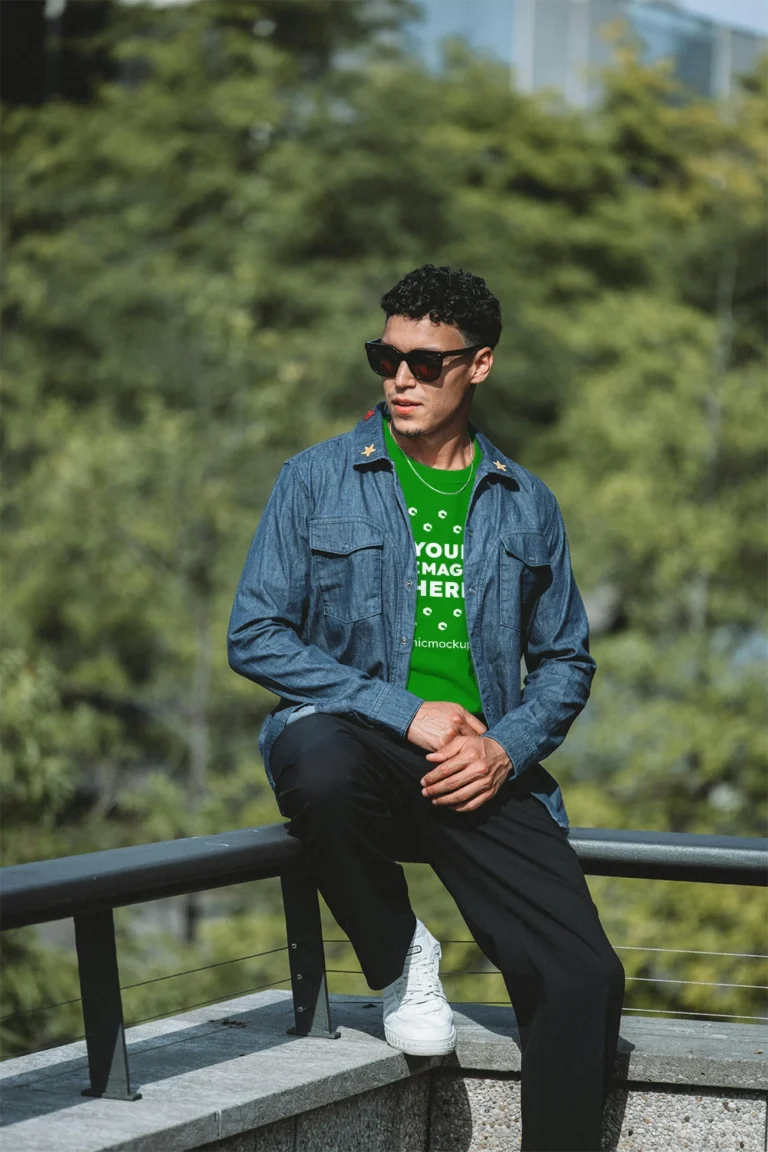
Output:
[[441, 663]]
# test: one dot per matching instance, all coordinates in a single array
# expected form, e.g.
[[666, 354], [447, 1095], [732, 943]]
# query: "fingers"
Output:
[[478, 801], [459, 726], [470, 795], [441, 781], [475, 723], [451, 785], [448, 766], [447, 750], [452, 720]]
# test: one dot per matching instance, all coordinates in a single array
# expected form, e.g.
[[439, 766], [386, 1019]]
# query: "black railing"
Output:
[[88, 888]]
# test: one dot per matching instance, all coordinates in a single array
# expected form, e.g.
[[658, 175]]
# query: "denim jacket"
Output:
[[324, 614]]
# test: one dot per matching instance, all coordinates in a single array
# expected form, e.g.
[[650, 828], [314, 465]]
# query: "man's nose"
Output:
[[404, 375]]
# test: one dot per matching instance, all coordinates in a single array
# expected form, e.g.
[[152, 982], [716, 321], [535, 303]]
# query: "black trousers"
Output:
[[353, 797]]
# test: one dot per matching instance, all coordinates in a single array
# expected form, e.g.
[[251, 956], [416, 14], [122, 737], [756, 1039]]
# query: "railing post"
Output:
[[312, 1010], [102, 1007]]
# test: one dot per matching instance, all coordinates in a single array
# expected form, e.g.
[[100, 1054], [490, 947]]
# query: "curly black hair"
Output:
[[447, 296]]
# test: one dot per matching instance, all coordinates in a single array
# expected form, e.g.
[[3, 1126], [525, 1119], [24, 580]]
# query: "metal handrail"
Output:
[[57, 889], [90, 886], [700, 858]]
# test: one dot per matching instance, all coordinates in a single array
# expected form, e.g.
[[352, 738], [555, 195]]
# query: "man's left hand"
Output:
[[469, 771]]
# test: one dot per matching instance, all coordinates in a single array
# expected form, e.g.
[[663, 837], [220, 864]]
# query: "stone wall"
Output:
[[439, 1111], [229, 1078]]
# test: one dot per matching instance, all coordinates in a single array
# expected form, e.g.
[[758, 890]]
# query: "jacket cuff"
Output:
[[396, 708], [518, 742]]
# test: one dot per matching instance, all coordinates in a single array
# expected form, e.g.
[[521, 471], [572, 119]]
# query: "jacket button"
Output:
[[403, 639], [408, 583]]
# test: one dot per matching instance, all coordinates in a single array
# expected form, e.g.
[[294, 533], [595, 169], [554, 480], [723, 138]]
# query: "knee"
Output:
[[606, 977], [615, 977], [316, 765], [597, 976]]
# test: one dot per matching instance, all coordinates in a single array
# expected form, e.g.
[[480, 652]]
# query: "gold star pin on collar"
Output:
[[498, 464], [367, 451]]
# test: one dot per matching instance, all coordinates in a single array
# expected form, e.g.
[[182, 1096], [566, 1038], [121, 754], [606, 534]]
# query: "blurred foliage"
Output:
[[194, 257]]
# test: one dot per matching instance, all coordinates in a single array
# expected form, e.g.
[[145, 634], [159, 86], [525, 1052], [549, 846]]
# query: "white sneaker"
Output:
[[417, 1016]]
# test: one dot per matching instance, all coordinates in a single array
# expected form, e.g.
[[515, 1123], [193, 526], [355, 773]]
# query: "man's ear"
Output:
[[483, 365]]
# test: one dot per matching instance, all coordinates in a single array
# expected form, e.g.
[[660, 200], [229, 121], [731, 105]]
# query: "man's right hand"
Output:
[[438, 721]]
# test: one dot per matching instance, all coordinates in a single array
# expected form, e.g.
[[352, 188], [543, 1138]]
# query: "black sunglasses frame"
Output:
[[416, 358]]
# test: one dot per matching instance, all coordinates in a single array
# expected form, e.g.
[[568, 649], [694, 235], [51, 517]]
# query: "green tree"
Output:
[[660, 454], [193, 261], [44, 746]]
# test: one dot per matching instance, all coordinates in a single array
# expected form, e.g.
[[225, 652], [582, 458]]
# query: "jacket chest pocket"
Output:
[[347, 567], [526, 572]]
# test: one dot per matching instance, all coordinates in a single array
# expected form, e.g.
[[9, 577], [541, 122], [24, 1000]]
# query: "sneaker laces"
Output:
[[420, 983]]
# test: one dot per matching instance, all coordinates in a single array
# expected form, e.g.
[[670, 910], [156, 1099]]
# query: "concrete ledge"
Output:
[[230, 1078]]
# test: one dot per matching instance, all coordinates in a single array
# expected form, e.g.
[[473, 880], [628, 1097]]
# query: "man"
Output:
[[398, 575]]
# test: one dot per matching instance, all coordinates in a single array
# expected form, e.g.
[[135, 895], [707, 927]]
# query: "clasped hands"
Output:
[[469, 768]]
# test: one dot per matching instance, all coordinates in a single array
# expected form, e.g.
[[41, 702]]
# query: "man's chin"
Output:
[[410, 433], [405, 427]]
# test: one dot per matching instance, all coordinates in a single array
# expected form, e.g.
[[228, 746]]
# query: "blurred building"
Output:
[[559, 43]]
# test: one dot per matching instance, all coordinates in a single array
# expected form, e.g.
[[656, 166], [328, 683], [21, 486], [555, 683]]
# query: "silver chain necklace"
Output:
[[439, 490]]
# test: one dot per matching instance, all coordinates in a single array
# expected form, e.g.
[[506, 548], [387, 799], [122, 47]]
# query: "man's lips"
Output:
[[405, 403]]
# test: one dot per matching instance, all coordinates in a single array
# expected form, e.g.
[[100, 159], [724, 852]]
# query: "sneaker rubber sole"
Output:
[[420, 1047]]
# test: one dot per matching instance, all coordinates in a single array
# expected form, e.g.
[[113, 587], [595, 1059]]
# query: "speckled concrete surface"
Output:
[[469, 1115], [483, 1115], [279, 1137], [671, 1121], [390, 1119]]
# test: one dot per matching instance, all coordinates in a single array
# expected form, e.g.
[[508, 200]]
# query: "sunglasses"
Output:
[[424, 364]]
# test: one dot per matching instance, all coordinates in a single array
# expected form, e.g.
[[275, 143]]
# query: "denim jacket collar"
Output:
[[369, 446]]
